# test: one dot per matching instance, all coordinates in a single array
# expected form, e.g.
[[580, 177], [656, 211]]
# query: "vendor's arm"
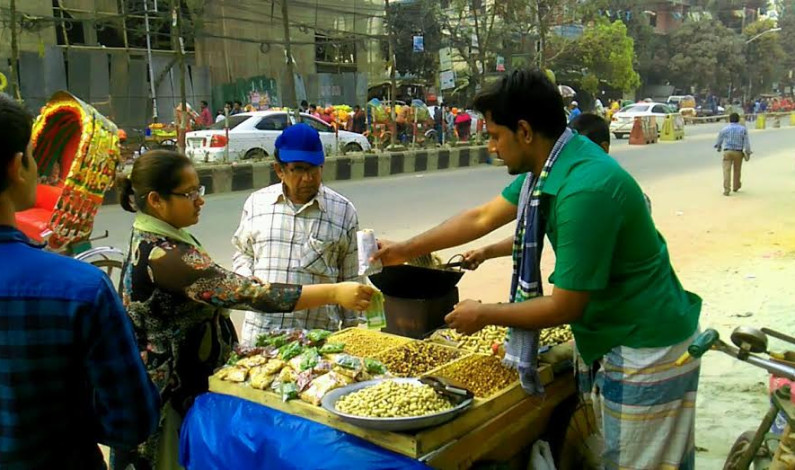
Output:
[[588, 226], [563, 306], [474, 258], [462, 228], [242, 240], [185, 270]]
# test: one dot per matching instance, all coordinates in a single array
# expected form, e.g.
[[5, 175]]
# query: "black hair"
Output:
[[734, 117], [593, 126], [239, 102], [304, 103], [276, 157], [357, 107], [525, 95], [156, 170], [205, 103], [17, 124], [228, 103], [313, 105]]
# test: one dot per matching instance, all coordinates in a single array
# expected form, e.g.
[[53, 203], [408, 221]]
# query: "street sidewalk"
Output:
[[738, 253]]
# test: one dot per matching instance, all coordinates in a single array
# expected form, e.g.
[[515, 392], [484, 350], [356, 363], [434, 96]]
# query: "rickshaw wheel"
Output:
[[111, 268]]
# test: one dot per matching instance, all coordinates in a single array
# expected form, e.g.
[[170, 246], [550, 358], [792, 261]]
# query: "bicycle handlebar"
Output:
[[710, 339], [703, 343]]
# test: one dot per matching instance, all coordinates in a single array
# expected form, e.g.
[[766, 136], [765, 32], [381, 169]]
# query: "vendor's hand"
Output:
[[747, 156], [473, 259], [466, 318], [352, 295], [390, 253]]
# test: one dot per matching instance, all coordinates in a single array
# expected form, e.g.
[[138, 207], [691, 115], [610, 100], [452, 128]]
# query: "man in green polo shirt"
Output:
[[613, 280]]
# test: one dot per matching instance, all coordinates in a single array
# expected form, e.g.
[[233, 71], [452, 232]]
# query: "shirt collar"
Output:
[[10, 234], [563, 166], [277, 195]]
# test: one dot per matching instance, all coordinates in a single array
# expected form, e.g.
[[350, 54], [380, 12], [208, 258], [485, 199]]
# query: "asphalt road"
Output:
[[398, 207]]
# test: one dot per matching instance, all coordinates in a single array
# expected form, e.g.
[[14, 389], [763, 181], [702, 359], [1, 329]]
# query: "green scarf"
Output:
[[147, 223]]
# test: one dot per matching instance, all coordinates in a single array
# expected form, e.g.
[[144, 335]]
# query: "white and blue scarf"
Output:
[[521, 346]]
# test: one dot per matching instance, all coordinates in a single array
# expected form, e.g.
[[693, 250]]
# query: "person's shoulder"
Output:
[[50, 275], [334, 197], [593, 169], [266, 194]]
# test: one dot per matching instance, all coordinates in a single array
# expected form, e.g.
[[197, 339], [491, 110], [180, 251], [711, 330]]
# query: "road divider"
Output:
[[224, 178], [673, 128], [644, 131]]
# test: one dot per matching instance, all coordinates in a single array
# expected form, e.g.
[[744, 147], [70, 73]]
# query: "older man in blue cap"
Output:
[[297, 231]]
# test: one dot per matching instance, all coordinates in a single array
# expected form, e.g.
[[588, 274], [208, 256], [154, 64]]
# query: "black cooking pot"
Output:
[[415, 282]]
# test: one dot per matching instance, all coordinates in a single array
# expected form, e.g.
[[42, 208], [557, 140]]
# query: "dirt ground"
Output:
[[738, 253]]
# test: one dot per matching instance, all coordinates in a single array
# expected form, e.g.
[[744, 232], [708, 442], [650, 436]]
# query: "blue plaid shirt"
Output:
[[71, 375], [734, 137]]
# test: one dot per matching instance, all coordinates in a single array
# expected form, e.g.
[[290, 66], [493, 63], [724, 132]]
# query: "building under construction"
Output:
[[124, 56]]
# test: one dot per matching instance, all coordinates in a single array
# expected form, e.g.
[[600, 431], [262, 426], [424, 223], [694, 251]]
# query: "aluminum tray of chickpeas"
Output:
[[394, 404]]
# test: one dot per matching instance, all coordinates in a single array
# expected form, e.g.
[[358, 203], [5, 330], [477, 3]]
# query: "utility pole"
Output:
[[176, 23], [149, 60], [14, 53], [392, 67], [289, 94]]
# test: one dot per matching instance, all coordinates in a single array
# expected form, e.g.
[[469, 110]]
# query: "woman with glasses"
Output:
[[177, 296]]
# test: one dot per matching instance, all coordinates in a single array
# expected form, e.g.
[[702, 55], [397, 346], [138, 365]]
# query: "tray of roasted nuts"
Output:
[[392, 405], [367, 343], [417, 358], [482, 374]]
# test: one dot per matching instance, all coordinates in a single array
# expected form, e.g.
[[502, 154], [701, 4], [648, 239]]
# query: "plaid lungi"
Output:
[[644, 405]]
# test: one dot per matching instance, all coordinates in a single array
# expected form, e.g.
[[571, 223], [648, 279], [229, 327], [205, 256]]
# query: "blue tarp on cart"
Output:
[[223, 432]]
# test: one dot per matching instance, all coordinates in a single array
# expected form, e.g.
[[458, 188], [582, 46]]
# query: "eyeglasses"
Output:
[[303, 170], [193, 195]]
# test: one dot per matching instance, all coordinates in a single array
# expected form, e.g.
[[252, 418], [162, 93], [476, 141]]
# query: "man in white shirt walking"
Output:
[[297, 231]]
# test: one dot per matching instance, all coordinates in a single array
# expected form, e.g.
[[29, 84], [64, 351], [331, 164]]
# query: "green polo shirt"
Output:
[[606, 243]]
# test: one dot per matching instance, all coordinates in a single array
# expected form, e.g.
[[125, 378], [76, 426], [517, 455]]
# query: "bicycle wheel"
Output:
[[740, 447], [109, 260]]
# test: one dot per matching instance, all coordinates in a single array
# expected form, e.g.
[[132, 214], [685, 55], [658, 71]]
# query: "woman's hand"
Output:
[[352, 295], [473, 259]]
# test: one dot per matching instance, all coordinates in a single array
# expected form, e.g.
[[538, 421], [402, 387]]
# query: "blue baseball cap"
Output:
[[300, 143]]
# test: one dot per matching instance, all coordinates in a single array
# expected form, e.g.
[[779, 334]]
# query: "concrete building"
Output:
[[336, 46], [97, 49]]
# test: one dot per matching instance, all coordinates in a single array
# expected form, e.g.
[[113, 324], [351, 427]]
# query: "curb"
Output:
[[218, 179]]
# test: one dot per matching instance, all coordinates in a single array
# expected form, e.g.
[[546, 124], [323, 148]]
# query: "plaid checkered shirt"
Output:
[[70, 372], [734, 137], [312, 244]]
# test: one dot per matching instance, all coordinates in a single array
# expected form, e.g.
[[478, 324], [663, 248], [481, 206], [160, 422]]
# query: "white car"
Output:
[[253, 135], [621, 124]]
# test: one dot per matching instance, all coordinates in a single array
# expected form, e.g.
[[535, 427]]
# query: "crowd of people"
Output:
[[83, 365]]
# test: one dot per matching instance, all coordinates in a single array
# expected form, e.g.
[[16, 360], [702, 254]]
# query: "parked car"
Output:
[[253, 135], [621, 124]]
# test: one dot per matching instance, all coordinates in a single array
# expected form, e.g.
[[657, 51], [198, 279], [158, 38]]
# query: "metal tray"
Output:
[[389, 424]]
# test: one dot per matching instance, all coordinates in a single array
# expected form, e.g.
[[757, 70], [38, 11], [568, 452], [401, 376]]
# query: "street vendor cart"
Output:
[[77, 153], [237, 425]]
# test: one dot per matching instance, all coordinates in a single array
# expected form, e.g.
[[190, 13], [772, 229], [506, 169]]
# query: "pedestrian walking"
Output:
[[733, 141]]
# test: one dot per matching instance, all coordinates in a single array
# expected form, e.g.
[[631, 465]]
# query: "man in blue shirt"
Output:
[[574, 111], [70, 372], [734, 142]]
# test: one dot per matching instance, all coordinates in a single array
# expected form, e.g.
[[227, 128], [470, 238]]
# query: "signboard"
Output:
[[500, 63], [419, 44], [447, 79]]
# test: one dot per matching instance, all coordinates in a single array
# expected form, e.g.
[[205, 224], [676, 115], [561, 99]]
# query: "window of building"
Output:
[[335, 52]]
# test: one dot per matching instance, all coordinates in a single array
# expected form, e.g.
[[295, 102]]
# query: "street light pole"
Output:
[[754, 38]]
